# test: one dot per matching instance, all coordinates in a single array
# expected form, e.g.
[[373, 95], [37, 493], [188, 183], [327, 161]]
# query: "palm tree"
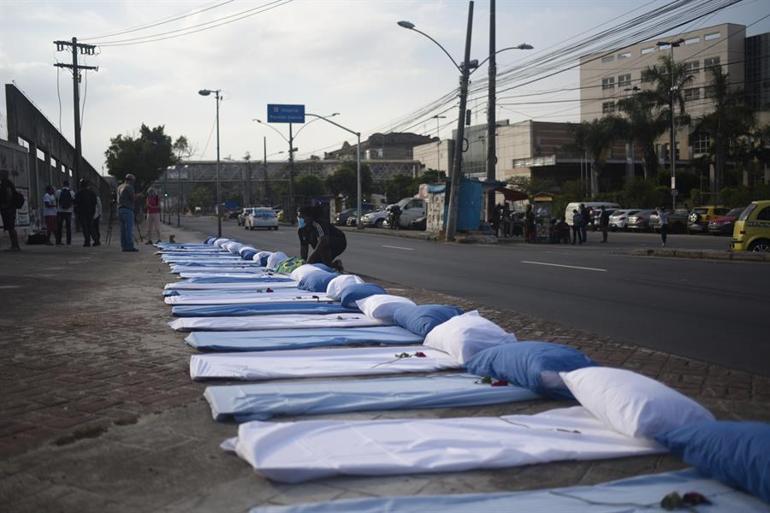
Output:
[[595, 138], [730, 120], [644, 125], [668, 77]]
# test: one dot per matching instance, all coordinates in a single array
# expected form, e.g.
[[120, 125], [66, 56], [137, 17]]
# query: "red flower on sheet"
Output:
[[268, 290], [420, 354], [499, 383]]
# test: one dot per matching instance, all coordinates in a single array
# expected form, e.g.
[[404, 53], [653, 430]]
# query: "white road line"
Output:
[[565, 266], [397, 247]]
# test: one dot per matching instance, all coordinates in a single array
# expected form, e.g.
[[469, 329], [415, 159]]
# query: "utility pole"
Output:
[[75, 67], [180, 196], [491, 115], [292, 206], [672, 127], [456, 175], [267, 184]]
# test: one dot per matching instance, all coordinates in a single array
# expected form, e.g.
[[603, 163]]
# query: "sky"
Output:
[[332, 56]]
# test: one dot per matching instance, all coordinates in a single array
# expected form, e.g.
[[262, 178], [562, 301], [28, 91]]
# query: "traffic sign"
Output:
[[277, 113]]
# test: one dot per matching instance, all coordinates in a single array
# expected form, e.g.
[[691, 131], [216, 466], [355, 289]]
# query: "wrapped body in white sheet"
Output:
[[283, 296], [275, 322], [305, 363], [244, 285], [299, 451]]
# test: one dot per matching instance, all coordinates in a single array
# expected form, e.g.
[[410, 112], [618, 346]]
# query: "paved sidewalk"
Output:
[[98, 413]]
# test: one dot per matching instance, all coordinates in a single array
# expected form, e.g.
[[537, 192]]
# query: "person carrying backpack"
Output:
[[65, 206], [10, 201]]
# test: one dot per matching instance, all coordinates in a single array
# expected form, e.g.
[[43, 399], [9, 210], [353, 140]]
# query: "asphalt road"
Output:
[[709, 310]]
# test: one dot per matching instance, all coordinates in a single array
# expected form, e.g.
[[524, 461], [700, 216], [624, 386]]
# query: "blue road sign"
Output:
[[285, 113]]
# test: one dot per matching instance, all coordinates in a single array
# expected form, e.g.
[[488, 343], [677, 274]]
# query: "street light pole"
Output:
[[672, 128], [217, 97], [491, 114]]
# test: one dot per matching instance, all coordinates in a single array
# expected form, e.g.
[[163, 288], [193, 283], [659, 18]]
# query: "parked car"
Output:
[[677, 220], [619, 218], [596, 217], [640, 221], [752, 228], [342, 217], [723, 225], [243, 215], [261, 217], [376, 218], [592, 205], [700, 217]]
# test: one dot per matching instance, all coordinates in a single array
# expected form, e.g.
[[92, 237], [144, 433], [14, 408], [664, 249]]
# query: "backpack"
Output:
[[18, 199], [287, 266], [65, 199]]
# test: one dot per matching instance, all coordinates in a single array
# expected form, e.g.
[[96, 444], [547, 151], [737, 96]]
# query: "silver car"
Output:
[[619, 218]]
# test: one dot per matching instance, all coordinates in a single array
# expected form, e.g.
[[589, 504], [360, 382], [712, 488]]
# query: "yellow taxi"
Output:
[[752, 229]]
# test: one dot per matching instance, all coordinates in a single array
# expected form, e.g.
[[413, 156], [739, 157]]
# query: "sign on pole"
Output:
[[277, 113]]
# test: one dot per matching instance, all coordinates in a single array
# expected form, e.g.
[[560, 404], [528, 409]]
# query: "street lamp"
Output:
[[207, 92], [672, 140], [467, 67], [358, 162]]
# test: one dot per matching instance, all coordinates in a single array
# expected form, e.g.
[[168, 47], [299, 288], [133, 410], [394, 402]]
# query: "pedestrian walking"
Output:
[[577, 221], [585, 217], [126, 199], [10, 201], [65, 206], [604, 222], [152, 204], [85, 207], [663, 221], [530, 227], [95, 232], [49, 212]]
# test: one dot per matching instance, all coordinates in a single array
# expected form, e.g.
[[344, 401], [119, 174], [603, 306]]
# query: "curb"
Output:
[[703, 254]]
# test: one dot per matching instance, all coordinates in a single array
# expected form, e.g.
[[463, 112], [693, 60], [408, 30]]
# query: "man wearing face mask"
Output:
[[328, 241]]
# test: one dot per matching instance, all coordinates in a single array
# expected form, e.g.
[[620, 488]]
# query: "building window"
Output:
[[693, 93], [710, 62], [691, 67], [624, 55], [712, 36], [624, 80], [608, 58], [608, 107], [608, 83], [692, 41], [645, 51], [701, 144], [708, 91]]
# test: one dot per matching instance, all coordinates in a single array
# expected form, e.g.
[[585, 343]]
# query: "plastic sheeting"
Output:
[[218, 270], [274, 322], [214, 274], [264, 289], [276, 308], [275, 340], [641, 494], [293, 452], [309, 363], [282, 295], [265, 400]]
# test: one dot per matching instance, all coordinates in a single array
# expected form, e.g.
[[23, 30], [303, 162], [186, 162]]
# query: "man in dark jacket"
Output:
[[8, 205], [85, 207], [328, 242]]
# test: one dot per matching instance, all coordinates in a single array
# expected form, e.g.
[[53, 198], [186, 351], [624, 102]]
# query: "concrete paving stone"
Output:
[[237, 495], [315, 491], [48, 499], [19, 486], [387, 486]]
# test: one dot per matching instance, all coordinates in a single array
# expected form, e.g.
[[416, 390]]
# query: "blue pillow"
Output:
[[736, 453], [263, 260], [317, 282], [325, 267], [420, 319], [353, 293], [523, 364], [248, 254]]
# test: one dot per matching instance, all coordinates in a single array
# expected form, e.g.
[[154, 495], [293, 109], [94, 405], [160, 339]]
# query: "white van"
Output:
[[593, 205]]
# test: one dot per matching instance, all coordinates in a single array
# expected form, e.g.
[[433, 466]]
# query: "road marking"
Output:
[[565, 266], [397, 247]]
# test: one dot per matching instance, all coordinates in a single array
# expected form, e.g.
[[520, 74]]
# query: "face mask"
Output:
[[301, 222]]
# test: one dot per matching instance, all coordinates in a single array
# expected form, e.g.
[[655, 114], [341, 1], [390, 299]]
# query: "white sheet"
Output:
[[215, 274], [284, 296], [298, 451], [249, 285], [274, 322], [307, 363]]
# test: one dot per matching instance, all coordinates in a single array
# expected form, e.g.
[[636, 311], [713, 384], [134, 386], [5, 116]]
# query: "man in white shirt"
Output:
[[65, 206], [49, 212]]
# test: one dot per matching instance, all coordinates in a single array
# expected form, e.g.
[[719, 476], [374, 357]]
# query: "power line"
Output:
[[161, 21]]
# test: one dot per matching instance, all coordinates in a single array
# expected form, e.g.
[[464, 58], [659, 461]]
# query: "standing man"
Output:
[[9, 202], [577, 220], [584, 218], [65, 202], [328, 242], [85, 207], [95, 233], [126, 199], [604, 222], [663, 219], [49, 212], [530, 228]]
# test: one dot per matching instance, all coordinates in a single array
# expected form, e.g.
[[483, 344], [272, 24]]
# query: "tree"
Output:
[[201, 196], [343, 180], [401, 186], [432, 176], [644, 124], [145, 156], [668, 77], [595, 138], [730, 120], [309, 186]]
